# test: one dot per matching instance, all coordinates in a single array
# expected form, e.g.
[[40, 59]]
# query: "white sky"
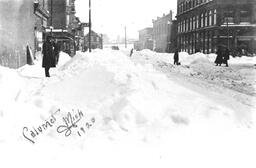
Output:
[[111, 16]]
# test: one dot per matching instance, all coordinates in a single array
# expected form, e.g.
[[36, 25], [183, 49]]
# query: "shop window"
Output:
[[244, 16], [229, 16]]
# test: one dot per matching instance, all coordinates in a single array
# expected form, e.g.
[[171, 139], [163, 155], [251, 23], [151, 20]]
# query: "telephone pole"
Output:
[[227, 33], [125, 40], [51, 18], [90, 26]]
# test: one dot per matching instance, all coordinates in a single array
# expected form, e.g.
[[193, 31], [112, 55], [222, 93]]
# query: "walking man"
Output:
[[176, 57], [48, 55], [219, 58]]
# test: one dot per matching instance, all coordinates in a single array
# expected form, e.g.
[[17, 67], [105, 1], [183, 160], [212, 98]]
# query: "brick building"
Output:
[[206, 24], [21, 24], [96, 41], [162, 33], [145, 39], [62, 23], [42, 15]]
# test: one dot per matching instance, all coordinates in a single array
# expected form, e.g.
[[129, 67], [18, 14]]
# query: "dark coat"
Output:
[[226, 55], [48, 55], [176, 57], [218, 59]]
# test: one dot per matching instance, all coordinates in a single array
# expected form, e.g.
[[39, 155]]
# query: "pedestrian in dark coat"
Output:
[[226, 57], [131, 52], [218, 60], [176, 58], [48, 56]]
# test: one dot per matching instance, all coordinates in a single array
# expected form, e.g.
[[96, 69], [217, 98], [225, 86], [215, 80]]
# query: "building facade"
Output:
[[162, 33], [62, 24], [203, 25], [172, 38], [96, 41], [145, 39], [42, 14], [22, 24]]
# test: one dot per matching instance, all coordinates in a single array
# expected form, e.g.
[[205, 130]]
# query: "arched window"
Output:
[[191, 23], [202, 20], [205, 19], [197, 22], [215, 17], [210, 18]]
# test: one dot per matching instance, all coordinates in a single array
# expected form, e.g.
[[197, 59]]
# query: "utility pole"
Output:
[[51, 17], [227, 32], [125, 40], [90, 26]]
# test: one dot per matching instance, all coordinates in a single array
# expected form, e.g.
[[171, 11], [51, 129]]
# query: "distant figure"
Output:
[[226, 57], [48, 55], [56, 52], [131, 52], [218, 60], [176, 58]]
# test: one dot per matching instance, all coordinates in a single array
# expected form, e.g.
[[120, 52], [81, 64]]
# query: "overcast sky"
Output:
[[111, 16]]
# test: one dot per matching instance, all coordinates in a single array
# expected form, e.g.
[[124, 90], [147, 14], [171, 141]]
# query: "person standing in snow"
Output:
[[218, 60], [48, 55], [226, 57], [131, 52], [176, 57]]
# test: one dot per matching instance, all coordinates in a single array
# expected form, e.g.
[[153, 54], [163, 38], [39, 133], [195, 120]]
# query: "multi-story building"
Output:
[[62, 23], [96, 41], [206, 24], [146, 38], [41, 11], [162, 33], [22, 24], [172, 38]]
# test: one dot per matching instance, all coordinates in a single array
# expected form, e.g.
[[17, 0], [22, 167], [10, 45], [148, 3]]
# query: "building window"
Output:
[[229, 16], [215, 17], [244, 16], [191, 23], [210, 18], [197, 22], [202, 20], [187, 25], [67, 20], [194, 22], [205, 19]]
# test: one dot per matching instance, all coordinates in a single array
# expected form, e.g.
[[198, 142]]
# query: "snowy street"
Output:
[[106, 109]]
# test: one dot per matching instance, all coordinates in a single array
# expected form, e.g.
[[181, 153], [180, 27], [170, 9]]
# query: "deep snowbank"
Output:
[[142, 118], [239, 76]]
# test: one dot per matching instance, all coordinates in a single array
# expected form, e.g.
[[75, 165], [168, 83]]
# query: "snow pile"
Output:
[[129, 110], [239, 76], [63, 58]]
